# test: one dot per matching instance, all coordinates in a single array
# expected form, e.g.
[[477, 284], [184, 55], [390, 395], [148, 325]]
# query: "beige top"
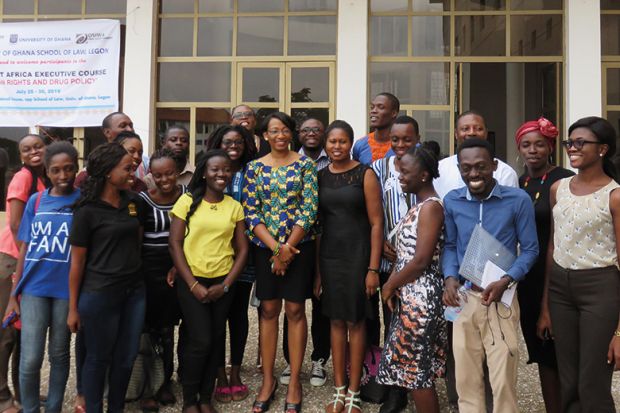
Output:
[[584, 236]]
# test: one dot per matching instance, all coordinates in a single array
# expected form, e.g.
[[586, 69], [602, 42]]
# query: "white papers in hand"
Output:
[[493, 273]]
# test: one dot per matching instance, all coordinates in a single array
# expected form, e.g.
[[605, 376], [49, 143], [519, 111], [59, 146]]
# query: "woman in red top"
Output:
[[28, 180]]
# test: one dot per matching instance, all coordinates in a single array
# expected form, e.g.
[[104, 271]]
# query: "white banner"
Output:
[[60, 73]]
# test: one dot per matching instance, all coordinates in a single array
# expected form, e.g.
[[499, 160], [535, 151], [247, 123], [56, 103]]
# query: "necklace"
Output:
[[542, 181]]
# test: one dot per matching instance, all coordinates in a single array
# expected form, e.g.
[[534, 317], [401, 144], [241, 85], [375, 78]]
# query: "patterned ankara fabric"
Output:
[[280, 198], [415, 351]]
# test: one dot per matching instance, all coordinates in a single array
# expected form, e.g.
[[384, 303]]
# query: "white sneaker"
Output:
[[285, 376], [318, 375]]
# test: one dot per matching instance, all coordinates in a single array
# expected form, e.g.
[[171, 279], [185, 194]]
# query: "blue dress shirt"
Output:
[[507, 214]]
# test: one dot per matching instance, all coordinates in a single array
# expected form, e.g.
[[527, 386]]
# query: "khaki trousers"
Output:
[[489, 333]]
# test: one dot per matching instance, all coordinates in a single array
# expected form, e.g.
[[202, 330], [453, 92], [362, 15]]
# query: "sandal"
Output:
[[353, 401], [239, 392], [339, 397], [223, 394]]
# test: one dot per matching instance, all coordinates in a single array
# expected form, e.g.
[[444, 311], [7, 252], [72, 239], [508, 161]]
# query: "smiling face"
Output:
[[244, 116], [476, 167], [233, 144], [412, 176], [535, 150], [312, 134], [278, 135], [177, 140], [121, 176], [31, 151], [382, 114], [61, 171], [133, 146], [338, 145], [118, 123], [590, 154], [470, 126], [164, 173], [218, 173], [403, 137]]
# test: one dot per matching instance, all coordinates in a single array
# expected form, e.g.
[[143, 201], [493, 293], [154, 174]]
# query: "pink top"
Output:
[[19, 188]]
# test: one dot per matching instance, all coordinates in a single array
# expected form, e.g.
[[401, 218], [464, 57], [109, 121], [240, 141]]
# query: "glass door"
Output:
[[301, 89], [611, 94]]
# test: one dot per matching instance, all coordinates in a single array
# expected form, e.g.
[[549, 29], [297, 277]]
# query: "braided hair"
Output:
[[101, 161], [35, 175], [162, 154], [197, 187], [426, 159]]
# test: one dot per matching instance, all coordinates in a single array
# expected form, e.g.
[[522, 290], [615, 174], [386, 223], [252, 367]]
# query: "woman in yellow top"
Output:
[[209, 250]]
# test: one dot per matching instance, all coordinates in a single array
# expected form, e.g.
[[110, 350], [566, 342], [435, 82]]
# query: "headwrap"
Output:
[[544, 126]]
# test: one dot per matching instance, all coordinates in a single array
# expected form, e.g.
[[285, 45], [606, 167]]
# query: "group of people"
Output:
[[111, 256]]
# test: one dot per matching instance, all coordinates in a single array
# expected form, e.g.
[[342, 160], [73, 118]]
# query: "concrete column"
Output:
[[139, 74], [515, 111], [582, 31], [352, 65]]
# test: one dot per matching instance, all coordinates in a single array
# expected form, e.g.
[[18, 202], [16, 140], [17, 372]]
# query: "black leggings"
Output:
[[238, 324], [206, 327]]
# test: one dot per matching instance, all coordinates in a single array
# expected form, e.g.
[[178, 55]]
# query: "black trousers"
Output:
[[205, 325], [238, 324], [320, 331], [584, 306]]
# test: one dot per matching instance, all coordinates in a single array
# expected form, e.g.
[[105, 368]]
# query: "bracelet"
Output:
[[617, 333], [193, 285], [276, 251], [375, 270]]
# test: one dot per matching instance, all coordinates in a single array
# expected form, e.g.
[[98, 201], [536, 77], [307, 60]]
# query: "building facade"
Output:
[[191, 61]]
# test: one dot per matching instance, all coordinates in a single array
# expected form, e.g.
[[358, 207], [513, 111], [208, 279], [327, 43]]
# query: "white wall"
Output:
[[583, 59], [352, 65], [139, 74]]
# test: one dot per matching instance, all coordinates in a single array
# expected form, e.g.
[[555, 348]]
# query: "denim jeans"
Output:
[[112, 323], [38, 314]]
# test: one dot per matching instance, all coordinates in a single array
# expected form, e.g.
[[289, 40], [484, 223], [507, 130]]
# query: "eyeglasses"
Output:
[[577, 144], [275, 132], [315, 129], [241, 115], [229, 143]]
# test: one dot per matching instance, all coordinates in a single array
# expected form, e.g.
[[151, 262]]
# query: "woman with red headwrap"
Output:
[[535, 142]]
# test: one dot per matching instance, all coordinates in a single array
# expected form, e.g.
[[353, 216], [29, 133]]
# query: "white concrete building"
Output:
[[190, 61]]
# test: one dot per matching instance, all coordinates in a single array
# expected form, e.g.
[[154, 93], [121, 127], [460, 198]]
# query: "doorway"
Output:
[[507, 94]]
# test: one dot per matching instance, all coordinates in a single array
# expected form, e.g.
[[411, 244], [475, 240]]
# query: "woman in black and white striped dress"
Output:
[[162, 308]]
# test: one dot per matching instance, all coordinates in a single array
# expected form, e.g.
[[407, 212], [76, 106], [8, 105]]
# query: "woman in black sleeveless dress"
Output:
[[351, 242]]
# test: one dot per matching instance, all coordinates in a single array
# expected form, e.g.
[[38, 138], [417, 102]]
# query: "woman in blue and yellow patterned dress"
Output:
[[280, 203]]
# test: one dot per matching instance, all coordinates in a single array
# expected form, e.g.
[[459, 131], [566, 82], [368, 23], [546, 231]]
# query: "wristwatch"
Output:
[[511, 283], [225, 287]]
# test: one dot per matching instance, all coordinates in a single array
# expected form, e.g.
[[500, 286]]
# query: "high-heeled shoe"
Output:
[[292, 407], [263, 406]]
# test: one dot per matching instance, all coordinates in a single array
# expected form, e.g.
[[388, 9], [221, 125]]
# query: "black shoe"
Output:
[[263, 406], [396, 401], [292, 407]]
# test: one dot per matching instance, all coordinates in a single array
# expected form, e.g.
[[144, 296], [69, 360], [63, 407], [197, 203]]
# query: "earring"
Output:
[[107, 177], [423, 179], [600, 154]]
